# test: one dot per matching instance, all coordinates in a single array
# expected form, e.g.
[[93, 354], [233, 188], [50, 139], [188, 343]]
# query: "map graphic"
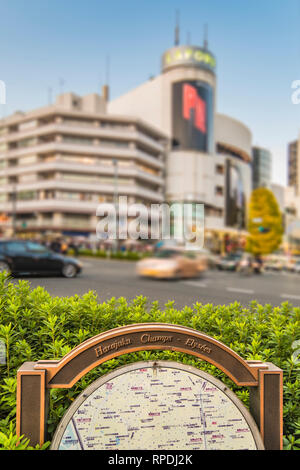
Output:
[[156, 408]]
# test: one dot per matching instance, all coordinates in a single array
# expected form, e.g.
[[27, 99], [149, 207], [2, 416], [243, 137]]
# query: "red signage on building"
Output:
[[194, 107]]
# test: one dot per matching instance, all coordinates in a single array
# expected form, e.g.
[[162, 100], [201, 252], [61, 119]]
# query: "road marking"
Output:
[[86, 265], [195, 284], [290, 296], [241, 291], [282, 273]]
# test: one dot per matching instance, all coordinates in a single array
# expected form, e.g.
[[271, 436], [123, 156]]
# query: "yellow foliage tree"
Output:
[[265, 224]]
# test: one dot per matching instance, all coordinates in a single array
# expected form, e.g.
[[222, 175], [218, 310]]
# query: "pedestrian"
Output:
[[73, 246], [64, 247], [55, 246]]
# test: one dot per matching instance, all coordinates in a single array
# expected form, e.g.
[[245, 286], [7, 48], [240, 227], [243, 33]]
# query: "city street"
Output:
[[111, 278]]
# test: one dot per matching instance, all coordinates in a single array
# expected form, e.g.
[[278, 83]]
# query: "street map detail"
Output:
[[157, 408]]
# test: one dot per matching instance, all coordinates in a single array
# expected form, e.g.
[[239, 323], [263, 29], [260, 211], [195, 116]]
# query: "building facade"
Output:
[[261, 168], [59, 162], [292, 201], [209, 160], [294, 165]]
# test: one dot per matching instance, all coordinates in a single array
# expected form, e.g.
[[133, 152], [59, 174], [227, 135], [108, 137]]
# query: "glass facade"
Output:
[[261, 167]]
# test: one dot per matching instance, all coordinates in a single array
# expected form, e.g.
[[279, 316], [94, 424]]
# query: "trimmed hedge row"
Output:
[[34, 325], [126, 255]]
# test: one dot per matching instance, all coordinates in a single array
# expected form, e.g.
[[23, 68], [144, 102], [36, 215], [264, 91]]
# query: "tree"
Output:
[[265, 225]]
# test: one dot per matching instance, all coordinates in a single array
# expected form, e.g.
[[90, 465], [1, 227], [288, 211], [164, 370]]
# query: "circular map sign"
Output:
[[157, 406]]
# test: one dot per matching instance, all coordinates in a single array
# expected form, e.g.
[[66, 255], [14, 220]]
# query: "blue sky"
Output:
[[256, 43]]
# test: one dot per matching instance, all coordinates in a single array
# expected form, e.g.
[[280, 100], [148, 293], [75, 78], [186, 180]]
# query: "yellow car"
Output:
[[172, 264]]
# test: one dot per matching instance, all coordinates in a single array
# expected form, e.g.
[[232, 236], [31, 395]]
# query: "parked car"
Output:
[[274, 263], [172, 264], [229, 262], [18, 256], [296, 267], [291, 264], [211, 258]]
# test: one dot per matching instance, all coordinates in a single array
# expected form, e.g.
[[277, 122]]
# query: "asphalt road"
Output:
[[112, 278]]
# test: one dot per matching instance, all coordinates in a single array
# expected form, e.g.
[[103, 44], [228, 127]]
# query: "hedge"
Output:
[[125, 255], [35, 325]]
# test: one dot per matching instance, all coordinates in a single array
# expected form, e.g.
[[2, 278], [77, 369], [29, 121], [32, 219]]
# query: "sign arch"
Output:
[[142, 337]]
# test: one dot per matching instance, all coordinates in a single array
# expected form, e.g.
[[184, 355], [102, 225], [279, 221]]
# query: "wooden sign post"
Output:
[[34, 379]]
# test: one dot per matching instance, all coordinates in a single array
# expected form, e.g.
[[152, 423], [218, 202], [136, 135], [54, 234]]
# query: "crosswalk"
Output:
[[195, 283], [239, 290], [203, 285], [224, 284], [290, 296], [283, 273]]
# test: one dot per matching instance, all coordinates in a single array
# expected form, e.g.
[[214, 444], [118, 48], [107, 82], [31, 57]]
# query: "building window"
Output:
[[28, 160], [78, 122], [219, 191], [27, 142], [27, 178], [78, 140], [3, 130], [27, 125], [223, 150], [27, 195], [76, 103], [114, 143], [220, 169]]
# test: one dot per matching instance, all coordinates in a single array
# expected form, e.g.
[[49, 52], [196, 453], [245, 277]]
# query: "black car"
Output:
[[18, 256]]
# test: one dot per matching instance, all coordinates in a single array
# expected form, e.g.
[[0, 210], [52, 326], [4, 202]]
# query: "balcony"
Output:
[[89, 150], [50, 205], [74, 205], [56, 225], [92, 131], [82, 168]]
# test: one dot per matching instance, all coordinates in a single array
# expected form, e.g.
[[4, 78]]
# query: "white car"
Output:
[[172, 264], [296, 267]]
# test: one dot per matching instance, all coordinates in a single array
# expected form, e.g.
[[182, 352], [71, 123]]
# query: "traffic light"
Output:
[[263, 229]]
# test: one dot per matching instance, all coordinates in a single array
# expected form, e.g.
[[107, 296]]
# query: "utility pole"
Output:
[[50, 100], [205, 42], [116, 195], [14, 210]]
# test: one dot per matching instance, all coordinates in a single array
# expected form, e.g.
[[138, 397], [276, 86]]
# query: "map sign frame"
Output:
[[35, 379]]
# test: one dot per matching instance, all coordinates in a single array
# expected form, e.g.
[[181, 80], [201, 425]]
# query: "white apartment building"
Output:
[[59, 162]]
